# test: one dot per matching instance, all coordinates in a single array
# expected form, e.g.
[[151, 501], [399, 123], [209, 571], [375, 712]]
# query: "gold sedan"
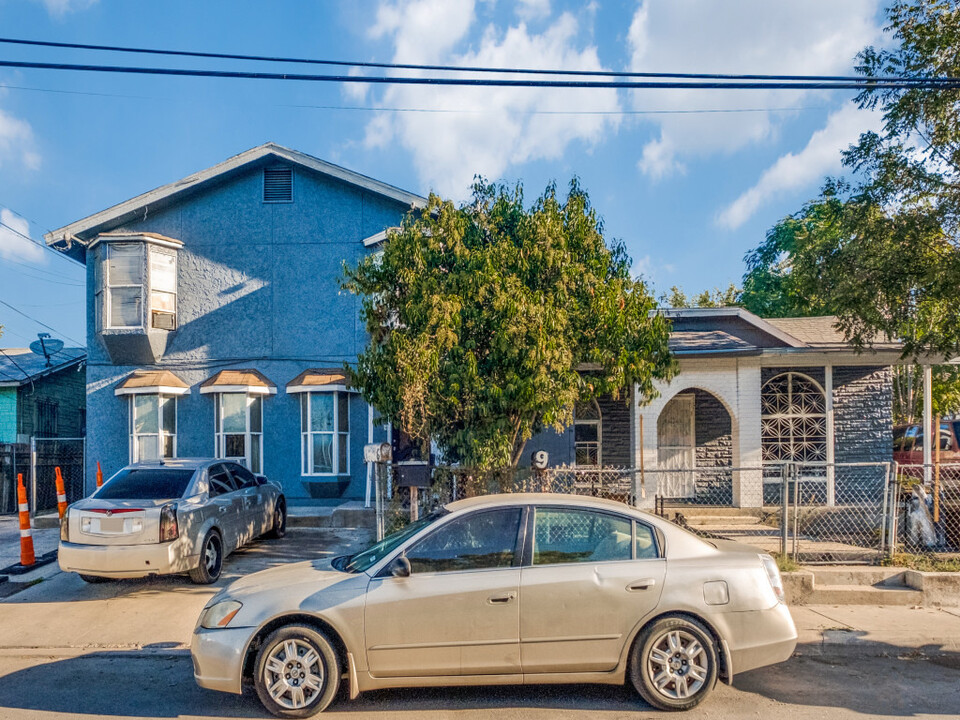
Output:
[[503, 589]]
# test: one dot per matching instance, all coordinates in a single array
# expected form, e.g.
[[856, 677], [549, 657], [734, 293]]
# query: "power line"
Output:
[[774, 83], [450, 68], [26, 375], [30, 239], [460, 111], [28, 317]]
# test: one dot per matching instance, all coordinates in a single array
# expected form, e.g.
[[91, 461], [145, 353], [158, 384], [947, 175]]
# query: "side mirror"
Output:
[[399, 567]]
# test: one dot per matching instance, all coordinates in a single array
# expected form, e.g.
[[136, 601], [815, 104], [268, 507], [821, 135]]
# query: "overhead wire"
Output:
[[442, 68], [38, 322]]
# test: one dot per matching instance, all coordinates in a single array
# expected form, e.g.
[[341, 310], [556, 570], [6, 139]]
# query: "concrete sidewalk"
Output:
[[871, 629]]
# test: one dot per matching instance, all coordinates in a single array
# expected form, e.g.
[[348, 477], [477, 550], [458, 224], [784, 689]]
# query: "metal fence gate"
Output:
[[46, 454], [14, 460]]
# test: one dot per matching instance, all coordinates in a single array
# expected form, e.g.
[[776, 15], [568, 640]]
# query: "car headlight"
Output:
[[219, 615]]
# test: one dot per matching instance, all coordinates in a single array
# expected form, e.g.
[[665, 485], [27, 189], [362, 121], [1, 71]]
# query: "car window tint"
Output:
[[646, 543], [244, 477], [146, 484], [220, 481], [480, 540], [561, 535]]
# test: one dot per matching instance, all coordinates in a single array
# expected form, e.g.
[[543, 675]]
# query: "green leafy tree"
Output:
[[489, 321], [676, 298]]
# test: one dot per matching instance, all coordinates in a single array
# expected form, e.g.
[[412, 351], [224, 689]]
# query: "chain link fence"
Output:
[[925, 510], [14, 460], [47, 454]]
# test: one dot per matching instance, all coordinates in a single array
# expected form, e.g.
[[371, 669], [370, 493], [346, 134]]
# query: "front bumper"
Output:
[[127, 561], [218, 657], [761, 637]]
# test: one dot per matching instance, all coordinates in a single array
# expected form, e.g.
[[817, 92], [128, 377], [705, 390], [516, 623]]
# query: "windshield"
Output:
[[372, 555], [146, 484]]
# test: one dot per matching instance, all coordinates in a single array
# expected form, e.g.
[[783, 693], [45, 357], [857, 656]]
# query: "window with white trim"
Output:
[[587, 433], [325, 433], [153, 427], [125, 286], [239, 429]]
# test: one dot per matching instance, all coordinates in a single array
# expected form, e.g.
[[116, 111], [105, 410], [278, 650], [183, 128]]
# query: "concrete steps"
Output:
[[850, 586]]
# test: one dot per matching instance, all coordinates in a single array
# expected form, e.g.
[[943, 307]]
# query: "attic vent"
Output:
[[278, 184]]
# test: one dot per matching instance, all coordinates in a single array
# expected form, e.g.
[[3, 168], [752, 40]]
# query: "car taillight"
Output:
[[169, 530], [773, 575], [65, 526]]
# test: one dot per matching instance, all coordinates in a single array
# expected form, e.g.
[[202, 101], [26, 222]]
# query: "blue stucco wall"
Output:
[[257, 288]]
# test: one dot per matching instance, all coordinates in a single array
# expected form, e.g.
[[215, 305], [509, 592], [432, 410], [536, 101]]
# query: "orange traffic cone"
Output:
[[61, 493], [99, 475], [26, 534]]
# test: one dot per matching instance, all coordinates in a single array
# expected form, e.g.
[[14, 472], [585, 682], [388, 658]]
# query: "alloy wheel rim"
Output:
[[211, 555], [293, 674], [678, 665]]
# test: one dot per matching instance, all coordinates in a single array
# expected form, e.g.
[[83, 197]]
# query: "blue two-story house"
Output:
[[217, 326]]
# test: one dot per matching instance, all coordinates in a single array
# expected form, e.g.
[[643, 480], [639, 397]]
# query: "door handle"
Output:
[[502, 599], [644, 584], [223, 509]]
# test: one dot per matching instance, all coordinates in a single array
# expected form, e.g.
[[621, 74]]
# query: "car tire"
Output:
[[279, 520], [674, 664], [211, 560], [94, 579], [290, 651]]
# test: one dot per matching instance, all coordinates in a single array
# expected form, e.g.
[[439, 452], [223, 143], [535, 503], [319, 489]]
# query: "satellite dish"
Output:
[[46, 346]]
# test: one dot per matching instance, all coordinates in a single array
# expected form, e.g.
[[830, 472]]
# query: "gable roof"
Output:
[[82, 231], [19, 366], [733, 330]]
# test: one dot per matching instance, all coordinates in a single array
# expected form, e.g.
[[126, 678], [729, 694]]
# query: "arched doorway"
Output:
[[695, 449]]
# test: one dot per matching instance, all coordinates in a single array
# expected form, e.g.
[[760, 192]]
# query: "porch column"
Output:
[[928, 435], [366, 502], [831, 472], [748, 482], [645, 448]]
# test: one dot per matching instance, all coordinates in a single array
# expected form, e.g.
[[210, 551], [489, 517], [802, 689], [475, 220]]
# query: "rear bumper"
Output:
[[218, 658], [760, 638], [127, 561]]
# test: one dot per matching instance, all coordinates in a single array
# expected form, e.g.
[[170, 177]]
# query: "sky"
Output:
[[689, 180]]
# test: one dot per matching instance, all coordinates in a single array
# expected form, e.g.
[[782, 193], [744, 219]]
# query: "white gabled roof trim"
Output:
[[134, 207], [378, 238], [152, 390], [248, 389]]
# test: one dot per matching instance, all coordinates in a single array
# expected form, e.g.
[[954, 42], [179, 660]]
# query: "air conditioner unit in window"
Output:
[[164, 320]]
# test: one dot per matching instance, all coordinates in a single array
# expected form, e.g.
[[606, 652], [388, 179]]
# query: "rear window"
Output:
[[146, 484]]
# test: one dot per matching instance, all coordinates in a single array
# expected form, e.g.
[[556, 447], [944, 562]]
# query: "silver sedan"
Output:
[[502, 589], [174, 516]]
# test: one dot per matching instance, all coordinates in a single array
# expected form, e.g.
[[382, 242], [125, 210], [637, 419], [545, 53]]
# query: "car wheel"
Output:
[[296, 673], [673, 664], [94, 579], [211, 560], [279, 519]]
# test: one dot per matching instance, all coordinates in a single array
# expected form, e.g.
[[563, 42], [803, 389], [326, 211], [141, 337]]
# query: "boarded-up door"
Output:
[[676, 441]]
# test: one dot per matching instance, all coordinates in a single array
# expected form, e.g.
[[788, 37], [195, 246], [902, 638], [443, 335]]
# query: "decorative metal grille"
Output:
[[587, 432], [793, 419]]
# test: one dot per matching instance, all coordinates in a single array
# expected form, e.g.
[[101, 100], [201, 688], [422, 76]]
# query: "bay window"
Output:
[[239, 428], [137, 282], [325, 433]]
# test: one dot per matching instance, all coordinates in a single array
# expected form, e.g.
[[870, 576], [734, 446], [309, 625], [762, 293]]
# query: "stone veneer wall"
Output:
[[615, 420], [863, 414]]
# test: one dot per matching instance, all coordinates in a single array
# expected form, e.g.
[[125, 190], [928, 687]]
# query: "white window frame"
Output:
[[110, 287], [160, 434], [306, 434], [598, 422], [220, 437], [104, 292]]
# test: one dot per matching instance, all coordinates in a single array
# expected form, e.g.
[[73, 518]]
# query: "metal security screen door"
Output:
[[676, 441]]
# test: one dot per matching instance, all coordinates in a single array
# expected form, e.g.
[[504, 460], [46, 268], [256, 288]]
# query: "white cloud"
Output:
[[793, 171], [533, 9], [484, 130], [13, 244], [16, 142], [60, 8], [814, 37]]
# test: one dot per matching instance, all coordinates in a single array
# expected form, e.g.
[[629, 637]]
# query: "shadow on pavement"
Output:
[[299, 544]]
